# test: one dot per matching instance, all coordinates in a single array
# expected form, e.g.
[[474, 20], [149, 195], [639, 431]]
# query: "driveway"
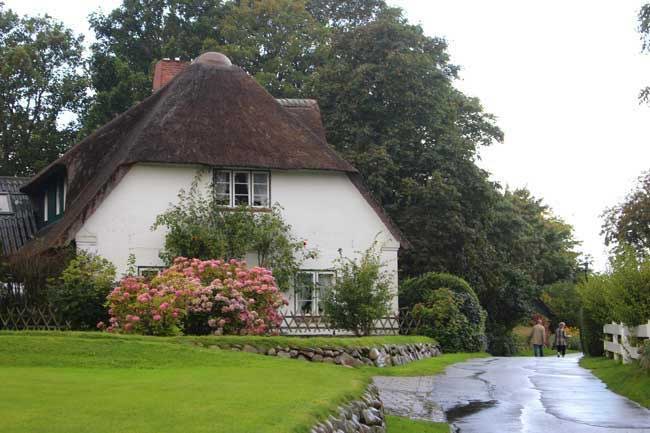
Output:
[[516, 395]]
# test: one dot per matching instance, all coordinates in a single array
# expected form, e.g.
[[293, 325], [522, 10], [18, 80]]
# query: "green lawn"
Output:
[[625, 379], [101, 383], [397, 424]]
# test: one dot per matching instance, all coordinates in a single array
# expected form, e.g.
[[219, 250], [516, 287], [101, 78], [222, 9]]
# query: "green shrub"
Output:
[[502, 341], [361, 294], [440, 318], [79, 293], [199, 227], [422, 291], [563, 301]]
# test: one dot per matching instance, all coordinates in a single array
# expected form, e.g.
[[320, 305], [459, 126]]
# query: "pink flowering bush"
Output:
[[233, 298], [223, 297]]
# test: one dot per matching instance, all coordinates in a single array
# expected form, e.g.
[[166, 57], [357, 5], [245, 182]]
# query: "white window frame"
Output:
[[58, 202], [45, 207], [315, 294], [251, 186], [10, 205]]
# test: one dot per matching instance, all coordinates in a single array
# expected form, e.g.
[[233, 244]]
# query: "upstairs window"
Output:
[[54, 201], [242, 187], [5, 204]]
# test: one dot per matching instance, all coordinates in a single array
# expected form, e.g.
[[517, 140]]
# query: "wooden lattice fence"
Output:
[[402, 324], [26, 317]]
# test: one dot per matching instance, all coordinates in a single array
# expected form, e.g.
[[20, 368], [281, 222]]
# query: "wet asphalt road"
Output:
[[516, 395]]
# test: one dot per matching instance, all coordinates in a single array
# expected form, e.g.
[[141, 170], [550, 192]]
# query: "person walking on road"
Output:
[[538, 338], [561, 339]]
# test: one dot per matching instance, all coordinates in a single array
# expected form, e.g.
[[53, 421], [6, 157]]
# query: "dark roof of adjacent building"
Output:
[[212, 113], [19, 225]]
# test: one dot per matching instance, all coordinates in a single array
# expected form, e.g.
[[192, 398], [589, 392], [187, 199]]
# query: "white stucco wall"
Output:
[[323, 208]]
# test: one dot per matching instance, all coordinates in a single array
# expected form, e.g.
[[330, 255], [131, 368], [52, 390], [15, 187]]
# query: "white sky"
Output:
[[562, 77]]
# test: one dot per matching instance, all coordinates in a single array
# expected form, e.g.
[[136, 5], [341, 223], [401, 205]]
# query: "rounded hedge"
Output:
[[421, 294]]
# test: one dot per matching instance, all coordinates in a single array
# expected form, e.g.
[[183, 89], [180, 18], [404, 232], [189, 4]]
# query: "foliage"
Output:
[[440, 318], [79, 293], [361, 293], [595, 296], [628, 223], [131, 38], [458, 323], [502, 341], [137, 307], [26, 276], [197, 226], [563, 300], [277, 41], [218, 296], [644, 355], [41, 85], [233, 298]]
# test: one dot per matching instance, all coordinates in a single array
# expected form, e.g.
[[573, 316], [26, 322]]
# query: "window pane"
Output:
[[304, 290], [5, 203], [222, 192], [222, 177], [241, 188], [261, 178], [241, 178], [325, 284]]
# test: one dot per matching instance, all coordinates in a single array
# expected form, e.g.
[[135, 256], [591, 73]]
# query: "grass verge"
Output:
[[398, 424], [101, 383], [628, 380]]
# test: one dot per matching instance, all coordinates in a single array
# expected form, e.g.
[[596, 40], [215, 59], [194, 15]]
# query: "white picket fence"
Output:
[[617, 340]]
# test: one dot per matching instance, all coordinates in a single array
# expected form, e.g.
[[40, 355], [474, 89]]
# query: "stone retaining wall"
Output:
[[365, 415], [380, 356]]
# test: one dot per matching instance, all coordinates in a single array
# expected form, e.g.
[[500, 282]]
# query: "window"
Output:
[[237, 188], [5, 203], [310, 290], [149, 271]]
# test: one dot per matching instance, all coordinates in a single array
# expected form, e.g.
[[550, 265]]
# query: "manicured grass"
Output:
[[101, 383], [628, 380], [61, 384], [398, 424]]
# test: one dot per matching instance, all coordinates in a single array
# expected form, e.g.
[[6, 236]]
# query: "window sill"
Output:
[[248, 208]]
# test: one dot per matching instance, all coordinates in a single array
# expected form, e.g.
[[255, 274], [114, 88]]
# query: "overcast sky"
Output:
[[561, 76]]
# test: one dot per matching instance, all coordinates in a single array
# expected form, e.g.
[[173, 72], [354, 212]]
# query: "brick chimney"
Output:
[[165, 70]]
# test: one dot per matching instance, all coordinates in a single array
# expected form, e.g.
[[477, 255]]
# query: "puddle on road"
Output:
[[463, 410]]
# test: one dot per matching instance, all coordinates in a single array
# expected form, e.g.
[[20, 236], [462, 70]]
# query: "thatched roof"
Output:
[[212, 113]]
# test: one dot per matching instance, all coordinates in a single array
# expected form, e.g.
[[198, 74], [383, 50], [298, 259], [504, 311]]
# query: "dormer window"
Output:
[[53, 201], [5, 204], [242, 187]]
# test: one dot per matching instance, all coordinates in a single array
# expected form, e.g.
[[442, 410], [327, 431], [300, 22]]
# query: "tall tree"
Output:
[[277, 41], [42, 89], [131, 38], [628, 223]]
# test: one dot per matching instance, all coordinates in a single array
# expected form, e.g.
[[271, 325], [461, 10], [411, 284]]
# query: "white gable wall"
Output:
[[323, 208]]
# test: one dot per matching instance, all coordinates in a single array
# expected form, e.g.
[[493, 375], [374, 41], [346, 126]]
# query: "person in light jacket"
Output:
[[561, 338], [538, 338]]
